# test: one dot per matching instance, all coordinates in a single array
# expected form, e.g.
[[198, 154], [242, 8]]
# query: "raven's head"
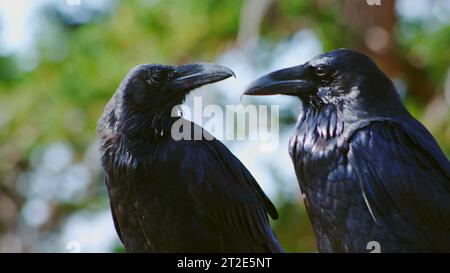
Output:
[[345, 78], [153, 88], [146, 96]]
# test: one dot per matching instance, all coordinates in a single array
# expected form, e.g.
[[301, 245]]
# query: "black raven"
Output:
[[172, 195], [371, 174]]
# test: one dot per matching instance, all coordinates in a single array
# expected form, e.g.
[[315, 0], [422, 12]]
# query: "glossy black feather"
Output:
[[406, 186]]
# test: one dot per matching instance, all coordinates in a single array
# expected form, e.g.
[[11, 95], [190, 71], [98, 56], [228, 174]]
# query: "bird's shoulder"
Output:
[[410, 143]]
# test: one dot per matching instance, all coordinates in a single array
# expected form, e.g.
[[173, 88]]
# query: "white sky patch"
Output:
[[20, 21], [424, 10], [35, 212], [17, 25]]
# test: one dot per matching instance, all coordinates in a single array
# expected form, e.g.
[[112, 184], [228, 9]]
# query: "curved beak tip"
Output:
[[252, 88], [230, 72]]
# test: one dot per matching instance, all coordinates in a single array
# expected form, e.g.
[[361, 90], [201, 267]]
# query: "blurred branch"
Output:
[[8, 182], [252, 13]]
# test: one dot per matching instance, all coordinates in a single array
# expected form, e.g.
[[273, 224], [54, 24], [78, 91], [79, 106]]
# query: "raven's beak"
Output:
[[190, 76], [287, 81]]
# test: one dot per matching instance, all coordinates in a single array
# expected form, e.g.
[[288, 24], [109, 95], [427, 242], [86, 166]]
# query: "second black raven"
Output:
[[370, 172], [172, 195]]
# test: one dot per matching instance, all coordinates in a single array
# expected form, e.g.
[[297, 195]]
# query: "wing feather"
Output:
[[401, 173]]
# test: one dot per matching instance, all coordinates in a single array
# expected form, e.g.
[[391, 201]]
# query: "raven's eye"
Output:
[[156, 77], [322, 70]]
